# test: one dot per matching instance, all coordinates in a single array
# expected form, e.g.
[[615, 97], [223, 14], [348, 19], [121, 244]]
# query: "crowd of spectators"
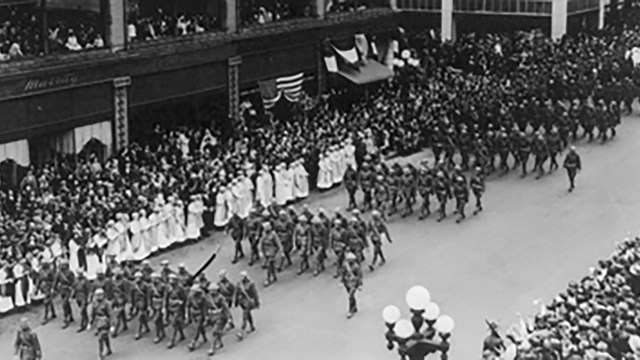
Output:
[[21, 31], [267, 11], [334, 6], [162, 24]]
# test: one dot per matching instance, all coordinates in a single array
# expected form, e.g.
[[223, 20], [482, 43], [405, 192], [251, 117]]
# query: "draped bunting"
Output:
[[332, 63], [362, 44], [64, 143], [17, 151], [350, 55], [289, 86], [99, 131]]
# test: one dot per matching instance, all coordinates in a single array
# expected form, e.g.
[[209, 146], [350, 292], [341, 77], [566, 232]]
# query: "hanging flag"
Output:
[[269, 92], [362, 44], [289, 86]]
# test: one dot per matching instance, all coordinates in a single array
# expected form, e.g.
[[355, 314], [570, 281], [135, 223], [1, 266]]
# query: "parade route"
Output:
[[531, 240]]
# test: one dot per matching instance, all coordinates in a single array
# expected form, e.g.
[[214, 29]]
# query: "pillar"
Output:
[[234, 87], [121, 112], [558, 19], [231, 16], [393, 4], [601, 12], [321, 70], [116, 25], [447, 25], [320, 8]]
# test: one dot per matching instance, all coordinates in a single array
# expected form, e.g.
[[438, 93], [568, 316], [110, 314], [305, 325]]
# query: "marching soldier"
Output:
[[46, 279], [351, 184], [395, 181], [615, 117], [478, 187], [377, 231], [283, 227], [408, 190], [319, 243], [425, 187], [338, 243], [165, 270], [381, 195], [219, 317], [573, 164], [443, 193], [367, 177], [271, 247], [574, 118], [102, 316], [555, 146], [247, 299], [64, 285], [587, 120], [541, 152], [602, 119], [228, 290], [81, 292], [27, 345], [176, 302], [302, 239], [120, 294], [461, 193], [236, 230], [352, 281], [254, 233], [524, 151], [197, 309], [184, 276], [141, 298], [159, 293]]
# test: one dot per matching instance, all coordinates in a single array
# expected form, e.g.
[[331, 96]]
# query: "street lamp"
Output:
[[415, 338]]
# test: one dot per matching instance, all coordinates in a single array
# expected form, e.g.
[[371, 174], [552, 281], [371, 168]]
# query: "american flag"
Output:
[[288, 86]]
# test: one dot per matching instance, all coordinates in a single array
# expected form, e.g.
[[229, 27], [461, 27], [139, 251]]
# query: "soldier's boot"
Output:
[[442, 213], [160, 335], [462, 216], [172, 343]]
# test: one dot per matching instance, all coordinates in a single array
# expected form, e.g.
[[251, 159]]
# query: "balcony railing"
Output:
[[420, 5], [520, 7]]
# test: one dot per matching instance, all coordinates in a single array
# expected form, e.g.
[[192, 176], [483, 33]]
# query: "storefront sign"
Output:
[[52, 82]]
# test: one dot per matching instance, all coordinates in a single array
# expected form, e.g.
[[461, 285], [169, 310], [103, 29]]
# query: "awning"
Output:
[[369, 72]]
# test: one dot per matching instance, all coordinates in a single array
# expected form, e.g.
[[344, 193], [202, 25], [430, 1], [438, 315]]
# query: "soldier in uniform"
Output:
[[574, 118], [104, 283], [395, 181], [377, 230], [165, 270], [158, 294], [319, 243], [271, 247], [366, 185], [337, 243], [602, 119], [236, 229], [184, 276], [381, 194], [503, 152], [176, 302], [461, 193], [350, 180], [254, 230], [302, 239], [120, 294], [541, 152], [573, 164], [27, 345], [140, 300], [247, 299], [478, 187], [443, 193], [587, 120], [102, 317], [615, 117], [197, 309], [228, 290], [80, 293], [352, 281], [219, 316], [63, 285], [408, 190], [425, 188], [524, 151], [46, 279], [555, 146], [283, 227], [355, 243]]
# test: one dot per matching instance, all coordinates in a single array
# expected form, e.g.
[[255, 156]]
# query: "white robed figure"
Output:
[[289, 179], [236, 197], [229, 201], [20, 275], [154, 224], [334, 159], [164, 229], [220, 215], [122, 228], [6, 303], [342, 164], [324, 173], [138, 250], [113, 246], [74, 264], [179, 221], [247, 198], [264, 187], [279, 178], [194, 218], [350, 154], [145, 228], [300, 180], [183, 141]]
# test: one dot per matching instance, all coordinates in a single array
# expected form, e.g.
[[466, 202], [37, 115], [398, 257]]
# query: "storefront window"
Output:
[[156, 19], [32, 28], [259, 12]]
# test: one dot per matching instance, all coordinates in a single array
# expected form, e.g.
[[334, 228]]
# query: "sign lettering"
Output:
[[39, 84]]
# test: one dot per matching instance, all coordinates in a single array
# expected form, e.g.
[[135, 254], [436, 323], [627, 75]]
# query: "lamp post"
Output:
[[426, 332]]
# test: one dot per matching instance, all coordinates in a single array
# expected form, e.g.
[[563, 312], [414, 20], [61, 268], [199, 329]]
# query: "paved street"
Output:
[[531, 240]]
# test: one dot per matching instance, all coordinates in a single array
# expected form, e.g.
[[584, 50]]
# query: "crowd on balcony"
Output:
[[161, 24], [258, 12], [22, 35], [335, 6]]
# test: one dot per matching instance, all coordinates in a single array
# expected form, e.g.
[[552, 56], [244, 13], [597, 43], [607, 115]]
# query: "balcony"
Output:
[[420, 5], [515, 7]]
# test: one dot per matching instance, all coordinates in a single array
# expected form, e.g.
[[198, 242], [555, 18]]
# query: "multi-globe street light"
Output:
[[426, 332]]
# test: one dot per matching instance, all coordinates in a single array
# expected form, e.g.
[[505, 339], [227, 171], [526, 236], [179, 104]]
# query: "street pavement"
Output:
[[531, 240]]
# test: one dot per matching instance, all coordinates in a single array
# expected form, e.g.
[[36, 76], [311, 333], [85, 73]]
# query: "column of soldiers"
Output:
[[166, 302]]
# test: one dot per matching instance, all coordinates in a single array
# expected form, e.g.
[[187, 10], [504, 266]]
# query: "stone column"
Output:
[[320, 8], [116, 36], [121, 112], [447, 24], [321, 70], [393, 4], [234, 87], [231, 18], [601, 12], [558, 19]]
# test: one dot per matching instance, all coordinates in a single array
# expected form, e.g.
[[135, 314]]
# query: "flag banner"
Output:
[[362, 44], [288, 86], [350, 55], [332, 64]]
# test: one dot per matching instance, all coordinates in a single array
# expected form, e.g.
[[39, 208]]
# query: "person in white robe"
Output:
[[74, 263], [236, 198], [154, 224], [324, 173], [280, 184], [20, 275], [335, 166], [164, 228], [122, 228], [113, 245], [95, 262], [260, 188], [179, 218], [6, 303], [145, 229], [350, 153], [183, 141], [248, 188], [301, 180], [220, 214], [342, 163], [289, 178], [194, 218], [137, 242], [268, 186]]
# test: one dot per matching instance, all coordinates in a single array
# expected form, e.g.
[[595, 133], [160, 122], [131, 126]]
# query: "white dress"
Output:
[[147, 245], [220, 218], [342, 165], [289, 179], [229, 203], [236, 197], [164, 227], [350, 155], [126, 251], [113, 245], [94, 265], [324, 174], [248, 196], [152, 231], [74, 264], [335, 167], [281, 187], [5, 301], [261, 195], [137, 242], [301, 182], [179, 219], [193, 224], [19, 276]]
